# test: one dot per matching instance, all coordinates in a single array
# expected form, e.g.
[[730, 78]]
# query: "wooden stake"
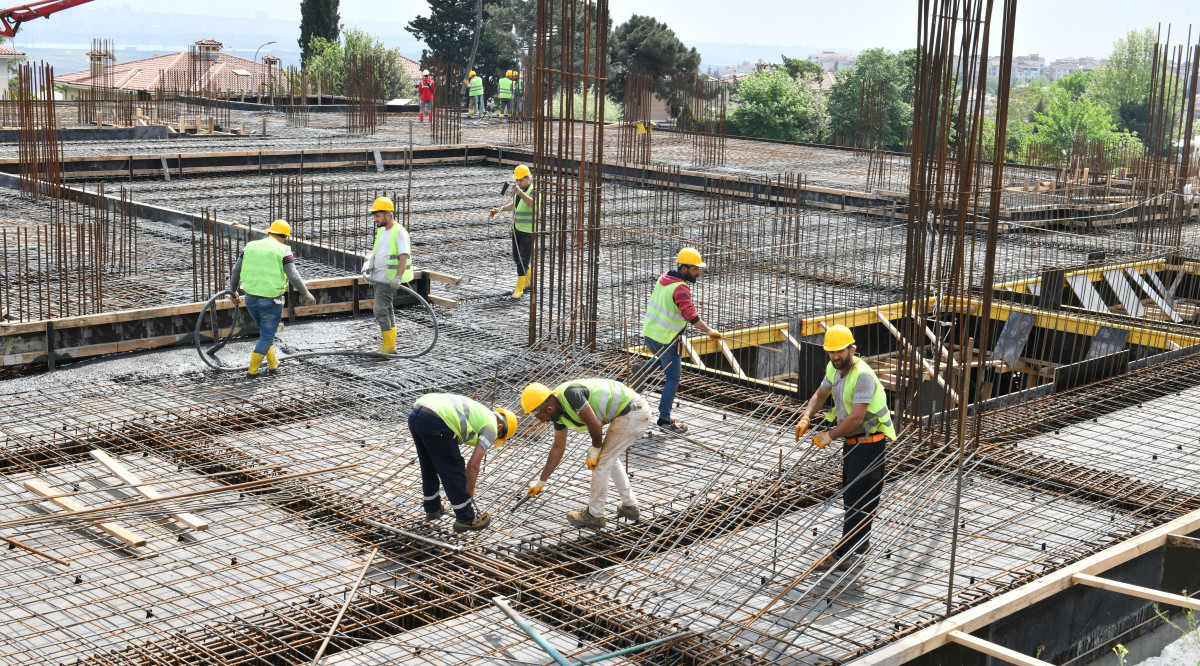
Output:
[[116, 531]]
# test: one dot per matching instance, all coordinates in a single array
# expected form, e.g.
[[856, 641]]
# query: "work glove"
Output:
[[233, 298], [536, 487], [492, 213], [593, 457], [309, 298], [822, 439], [715, 335], [801, 427]]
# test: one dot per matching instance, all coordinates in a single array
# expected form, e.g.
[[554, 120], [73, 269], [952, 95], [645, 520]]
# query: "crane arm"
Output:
[[13, 17]]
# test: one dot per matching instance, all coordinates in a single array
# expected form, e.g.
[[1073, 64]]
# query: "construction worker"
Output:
[[264, 270], [425, 93], [475, 92], [864, 421], [518, 91], [388, 267], [587, 405], [504, 94], [522, 207], [668, 313], [439, 422]]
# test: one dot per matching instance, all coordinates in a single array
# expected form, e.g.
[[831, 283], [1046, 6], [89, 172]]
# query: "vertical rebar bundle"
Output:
[[633, 137], [364, 92], [702, 113], [330, 214], [39, 143], [446, 126], [520, 126], [296, 107]]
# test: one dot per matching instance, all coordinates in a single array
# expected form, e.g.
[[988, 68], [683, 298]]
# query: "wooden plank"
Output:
[[687, 345], [790, 339], [444, 278], [444, 302], [145, 490], [924, 361], [116, 531], [994, 650], [1086, 293], [1181, 541], [1136, 591], [1129, 300], [1153, 277], [1161, 300], [732, 361]]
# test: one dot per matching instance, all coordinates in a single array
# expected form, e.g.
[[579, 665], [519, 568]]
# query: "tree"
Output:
[[803, 70], [1122, 85], [318, 18], [449, 32], [328, 62], [776, 106], [1067, 119], [896, 71], [1075, 84], [643, 45]]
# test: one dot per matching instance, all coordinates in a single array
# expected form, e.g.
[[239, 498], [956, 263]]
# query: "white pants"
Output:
[[622, 433]]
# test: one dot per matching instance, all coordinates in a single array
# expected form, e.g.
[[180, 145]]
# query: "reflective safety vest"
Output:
[[262, 268], [425, 88], [878, 417], [393, 258], [504, 88], [476, 87], [523, 212], [519, 87], [466, 418], [606, 396], [663, 319]]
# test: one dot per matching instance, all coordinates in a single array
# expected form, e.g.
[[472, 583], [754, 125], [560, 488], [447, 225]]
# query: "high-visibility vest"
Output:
[[425, 88], [523, 212], [663, 319], [476, 87], [262, 268], [504, 89], [606, 396], [878, 417], [519, 87], [466, 418], [393, 258]]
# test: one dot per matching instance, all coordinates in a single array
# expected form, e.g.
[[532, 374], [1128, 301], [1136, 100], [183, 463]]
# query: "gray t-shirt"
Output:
[[864, 390]]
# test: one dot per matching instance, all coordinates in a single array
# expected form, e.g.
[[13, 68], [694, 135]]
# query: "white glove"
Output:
[[309, 298], [536, 487], [593, 457]]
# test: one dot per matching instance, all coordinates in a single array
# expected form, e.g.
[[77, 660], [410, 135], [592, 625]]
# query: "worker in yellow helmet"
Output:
[[388, 267], [264, 270], [861, 416], [439, 422], [475, 92], [587, 405], [523, 207], [504, 93]]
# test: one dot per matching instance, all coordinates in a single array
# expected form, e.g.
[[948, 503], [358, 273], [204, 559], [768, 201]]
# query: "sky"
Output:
[[1051, 28]]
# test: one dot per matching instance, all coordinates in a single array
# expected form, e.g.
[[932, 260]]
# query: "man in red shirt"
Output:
[[425, 91]]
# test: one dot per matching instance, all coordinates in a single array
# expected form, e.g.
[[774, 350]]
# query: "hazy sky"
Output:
[[1052, 28]]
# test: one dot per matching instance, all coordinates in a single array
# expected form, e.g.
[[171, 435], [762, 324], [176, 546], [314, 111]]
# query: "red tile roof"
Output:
[[144, 74], [411, 67], [10, 51]]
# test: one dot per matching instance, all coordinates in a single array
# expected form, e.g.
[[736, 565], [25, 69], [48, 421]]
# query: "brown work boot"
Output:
[[830, 561], [442, 510], [481, 521], [630, 513], [584, 518]]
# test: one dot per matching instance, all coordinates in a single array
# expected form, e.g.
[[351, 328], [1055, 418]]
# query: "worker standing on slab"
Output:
[[425, 93], [522, 207], [388, 267], [504, 94], [587, 405], [264, 270], [518, 91], [862, 417], [669, 311], [475, 92], [439, 422]]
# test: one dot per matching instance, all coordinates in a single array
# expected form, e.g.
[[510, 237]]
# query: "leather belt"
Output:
[[866, 439], [426, 410]]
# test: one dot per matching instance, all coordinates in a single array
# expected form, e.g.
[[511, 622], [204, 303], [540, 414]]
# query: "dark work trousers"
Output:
[[522, 247], [862, 477], [437, 451]]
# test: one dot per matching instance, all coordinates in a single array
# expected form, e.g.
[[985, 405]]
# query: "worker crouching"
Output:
[[587, 405], [439, 423], [388, 267]]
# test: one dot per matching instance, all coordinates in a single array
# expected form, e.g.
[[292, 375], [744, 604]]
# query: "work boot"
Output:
[[630, 513], [441, 511], [481, 522], [389, 342], [862, 547], [672, 426], [520, 289], [256, 360], [421, 118], [272, 361], [584, 518], [830, 561]]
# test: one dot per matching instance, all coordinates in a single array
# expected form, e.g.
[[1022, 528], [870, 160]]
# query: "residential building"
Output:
[[8, 55], [832, 62]]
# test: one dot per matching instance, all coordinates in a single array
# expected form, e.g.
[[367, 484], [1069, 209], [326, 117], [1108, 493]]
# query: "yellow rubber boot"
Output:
[[272, 361], [520, 290], [256, 360], [389, 342]]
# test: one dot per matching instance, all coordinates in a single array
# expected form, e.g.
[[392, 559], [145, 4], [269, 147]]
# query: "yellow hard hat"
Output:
[[533, 396], [838, 338], [280, 227], [508, 72], [383, 203], [520, 172], [510, 425], [689, 256], [472, 73]]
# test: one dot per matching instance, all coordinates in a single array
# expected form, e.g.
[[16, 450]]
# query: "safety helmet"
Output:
[[507, 72], [838, 338], [280, 227], [689, 256], [533, 396], [383, 203], [510, 425], [472, 74], [424, 72], [520, 172]]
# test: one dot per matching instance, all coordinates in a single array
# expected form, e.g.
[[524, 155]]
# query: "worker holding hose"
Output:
[[388, 267], [862, 417], [522, 207], [264, 270], [439, 422]]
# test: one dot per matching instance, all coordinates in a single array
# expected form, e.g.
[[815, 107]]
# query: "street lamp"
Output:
[[256, 94]]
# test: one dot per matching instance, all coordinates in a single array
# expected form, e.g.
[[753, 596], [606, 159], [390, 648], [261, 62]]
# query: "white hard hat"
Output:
[[426, 72]]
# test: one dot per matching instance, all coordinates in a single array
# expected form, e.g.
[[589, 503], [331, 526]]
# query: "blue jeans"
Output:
[[440, 459], [266, 314], [672, 365]]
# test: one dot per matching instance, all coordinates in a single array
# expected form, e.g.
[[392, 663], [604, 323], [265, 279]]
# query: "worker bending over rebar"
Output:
[[388, 267]]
